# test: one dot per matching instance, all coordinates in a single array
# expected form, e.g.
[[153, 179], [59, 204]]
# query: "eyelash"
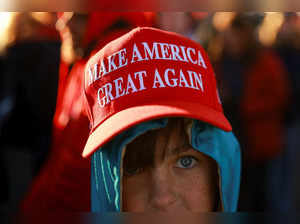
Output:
[[138, 170], [193, 162]]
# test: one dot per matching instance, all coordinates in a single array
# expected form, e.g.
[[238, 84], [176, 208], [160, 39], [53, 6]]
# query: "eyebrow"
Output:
[[175, 151], [180, 149]]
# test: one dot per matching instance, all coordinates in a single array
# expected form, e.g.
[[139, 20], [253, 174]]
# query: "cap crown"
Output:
[[148, 66]]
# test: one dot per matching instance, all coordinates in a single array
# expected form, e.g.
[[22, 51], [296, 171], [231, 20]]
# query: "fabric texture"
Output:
[[148, 74]]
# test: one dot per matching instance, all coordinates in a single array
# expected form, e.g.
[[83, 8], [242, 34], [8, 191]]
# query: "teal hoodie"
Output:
[[106, 170]]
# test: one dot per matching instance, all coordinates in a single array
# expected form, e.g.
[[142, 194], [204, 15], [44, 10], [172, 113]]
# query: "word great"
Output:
[[131, 83]]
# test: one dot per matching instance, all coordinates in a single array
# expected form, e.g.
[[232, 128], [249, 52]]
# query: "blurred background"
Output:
[[42, 56]]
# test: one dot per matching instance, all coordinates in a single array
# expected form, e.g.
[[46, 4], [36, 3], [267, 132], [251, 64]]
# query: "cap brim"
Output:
[[130, 117]]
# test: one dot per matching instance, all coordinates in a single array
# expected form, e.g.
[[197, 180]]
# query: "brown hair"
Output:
[[140, 152]]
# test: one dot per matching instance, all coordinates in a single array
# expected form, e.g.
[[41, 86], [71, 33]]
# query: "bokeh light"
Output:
[[271, 24], [6, 37]]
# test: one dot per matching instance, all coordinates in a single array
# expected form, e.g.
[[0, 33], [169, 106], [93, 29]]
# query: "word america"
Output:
[[143, 52], [135, 82]]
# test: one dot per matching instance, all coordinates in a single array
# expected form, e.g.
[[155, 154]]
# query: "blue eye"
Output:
[[186, 162]]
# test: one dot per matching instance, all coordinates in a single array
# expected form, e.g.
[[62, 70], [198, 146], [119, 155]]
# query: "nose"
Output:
[[162, 194]]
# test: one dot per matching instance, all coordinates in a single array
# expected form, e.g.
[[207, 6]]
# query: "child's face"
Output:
[[162, 172]]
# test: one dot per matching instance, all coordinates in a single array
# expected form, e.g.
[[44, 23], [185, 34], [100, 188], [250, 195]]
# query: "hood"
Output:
[[106, 164]]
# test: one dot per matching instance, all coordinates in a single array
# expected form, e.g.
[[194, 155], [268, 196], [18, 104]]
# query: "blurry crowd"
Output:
[[255, 57]]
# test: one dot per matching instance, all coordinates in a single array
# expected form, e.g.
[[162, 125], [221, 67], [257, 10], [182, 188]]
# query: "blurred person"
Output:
[[5, 109], [32, 38], [64, 182], [6, 105], [257, 97], [288, 47], [159, 141], [30, 83], [180, 22]]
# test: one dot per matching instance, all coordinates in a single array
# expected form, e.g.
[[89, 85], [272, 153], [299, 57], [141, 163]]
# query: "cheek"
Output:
[[135, 192], [196, 190]]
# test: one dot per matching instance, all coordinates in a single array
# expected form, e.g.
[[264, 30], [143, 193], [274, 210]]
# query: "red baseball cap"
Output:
[[148, 74]]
